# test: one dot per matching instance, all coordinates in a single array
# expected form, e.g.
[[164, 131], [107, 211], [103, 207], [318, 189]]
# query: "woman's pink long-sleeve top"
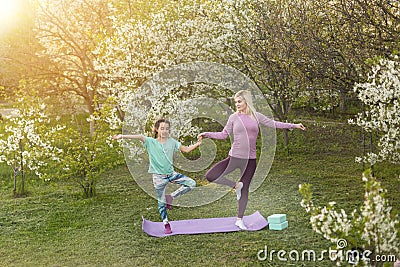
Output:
[[245, 131]]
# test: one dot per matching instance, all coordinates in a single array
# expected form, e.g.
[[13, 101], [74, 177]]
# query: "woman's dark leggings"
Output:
[[247, 168]]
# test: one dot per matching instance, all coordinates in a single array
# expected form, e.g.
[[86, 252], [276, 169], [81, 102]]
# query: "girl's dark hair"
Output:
[[157, 125]]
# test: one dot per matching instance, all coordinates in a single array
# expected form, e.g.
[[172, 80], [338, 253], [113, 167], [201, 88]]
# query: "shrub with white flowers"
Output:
[[372, 227], [28, 143], [380, 94]]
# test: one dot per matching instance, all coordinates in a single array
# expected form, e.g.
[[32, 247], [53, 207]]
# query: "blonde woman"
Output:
[[243, 124]]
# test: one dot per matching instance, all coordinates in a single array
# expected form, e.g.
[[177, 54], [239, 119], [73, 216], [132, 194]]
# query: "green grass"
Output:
[[56, 226]]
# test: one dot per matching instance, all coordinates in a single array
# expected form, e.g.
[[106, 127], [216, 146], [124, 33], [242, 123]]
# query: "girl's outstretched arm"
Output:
[[129, 136], [187, 149]]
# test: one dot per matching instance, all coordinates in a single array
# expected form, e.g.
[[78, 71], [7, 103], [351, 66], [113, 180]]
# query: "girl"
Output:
[[161, 150], [244, 126]]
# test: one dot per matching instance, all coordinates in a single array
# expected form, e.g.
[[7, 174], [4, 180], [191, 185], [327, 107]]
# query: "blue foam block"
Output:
[[278, 226], [276, 218]]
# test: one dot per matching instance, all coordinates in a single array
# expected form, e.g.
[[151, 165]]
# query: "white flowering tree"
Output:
[[193, 30], [145, 44], [28, 143], [69, 31], [372, 227], [380, 95], [267, 40]]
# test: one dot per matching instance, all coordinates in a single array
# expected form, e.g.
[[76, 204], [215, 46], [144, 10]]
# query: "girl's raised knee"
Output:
[[192, 184]]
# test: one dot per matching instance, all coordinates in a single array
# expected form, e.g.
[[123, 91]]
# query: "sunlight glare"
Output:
[[9, 10]]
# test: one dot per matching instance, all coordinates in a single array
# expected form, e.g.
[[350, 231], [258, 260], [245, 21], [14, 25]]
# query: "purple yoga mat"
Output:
[[254, 222]]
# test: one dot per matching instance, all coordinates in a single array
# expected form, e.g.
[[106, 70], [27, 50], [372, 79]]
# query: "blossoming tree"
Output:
[[69, 32], [142, 46], [372, 227], [28, 143], [380, 95], [191, 30]]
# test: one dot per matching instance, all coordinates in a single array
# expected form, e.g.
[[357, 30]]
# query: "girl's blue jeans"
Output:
[[161, 181]]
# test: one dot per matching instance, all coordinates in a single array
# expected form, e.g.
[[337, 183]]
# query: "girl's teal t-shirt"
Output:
[[161, 155]]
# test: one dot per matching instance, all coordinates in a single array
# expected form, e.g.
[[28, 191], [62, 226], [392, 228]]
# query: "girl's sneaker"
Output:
[[167, 229]]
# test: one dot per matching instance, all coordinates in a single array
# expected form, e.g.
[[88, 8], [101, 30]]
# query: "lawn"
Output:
[[55, 226]]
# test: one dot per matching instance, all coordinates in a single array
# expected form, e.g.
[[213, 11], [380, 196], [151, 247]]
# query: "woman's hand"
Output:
[[300, 126]]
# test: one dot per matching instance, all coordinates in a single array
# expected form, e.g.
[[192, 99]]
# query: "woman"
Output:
[[244, 126]]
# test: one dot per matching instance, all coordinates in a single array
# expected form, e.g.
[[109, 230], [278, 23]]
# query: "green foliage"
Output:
[[88, 155], [305, 191]]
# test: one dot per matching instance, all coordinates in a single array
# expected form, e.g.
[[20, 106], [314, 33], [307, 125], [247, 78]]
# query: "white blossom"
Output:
[[380, 94], [26, 140], [372, 225]]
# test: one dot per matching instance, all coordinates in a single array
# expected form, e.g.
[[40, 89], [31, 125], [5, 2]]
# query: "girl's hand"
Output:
[[117, 137], [200, 136]]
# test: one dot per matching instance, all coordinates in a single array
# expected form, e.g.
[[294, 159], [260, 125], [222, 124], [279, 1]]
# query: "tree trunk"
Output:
[[22, 169], [90, 104], [88, 189], [286, 137], [343, 101], [91, 191], [15, 181], [92, 128]]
